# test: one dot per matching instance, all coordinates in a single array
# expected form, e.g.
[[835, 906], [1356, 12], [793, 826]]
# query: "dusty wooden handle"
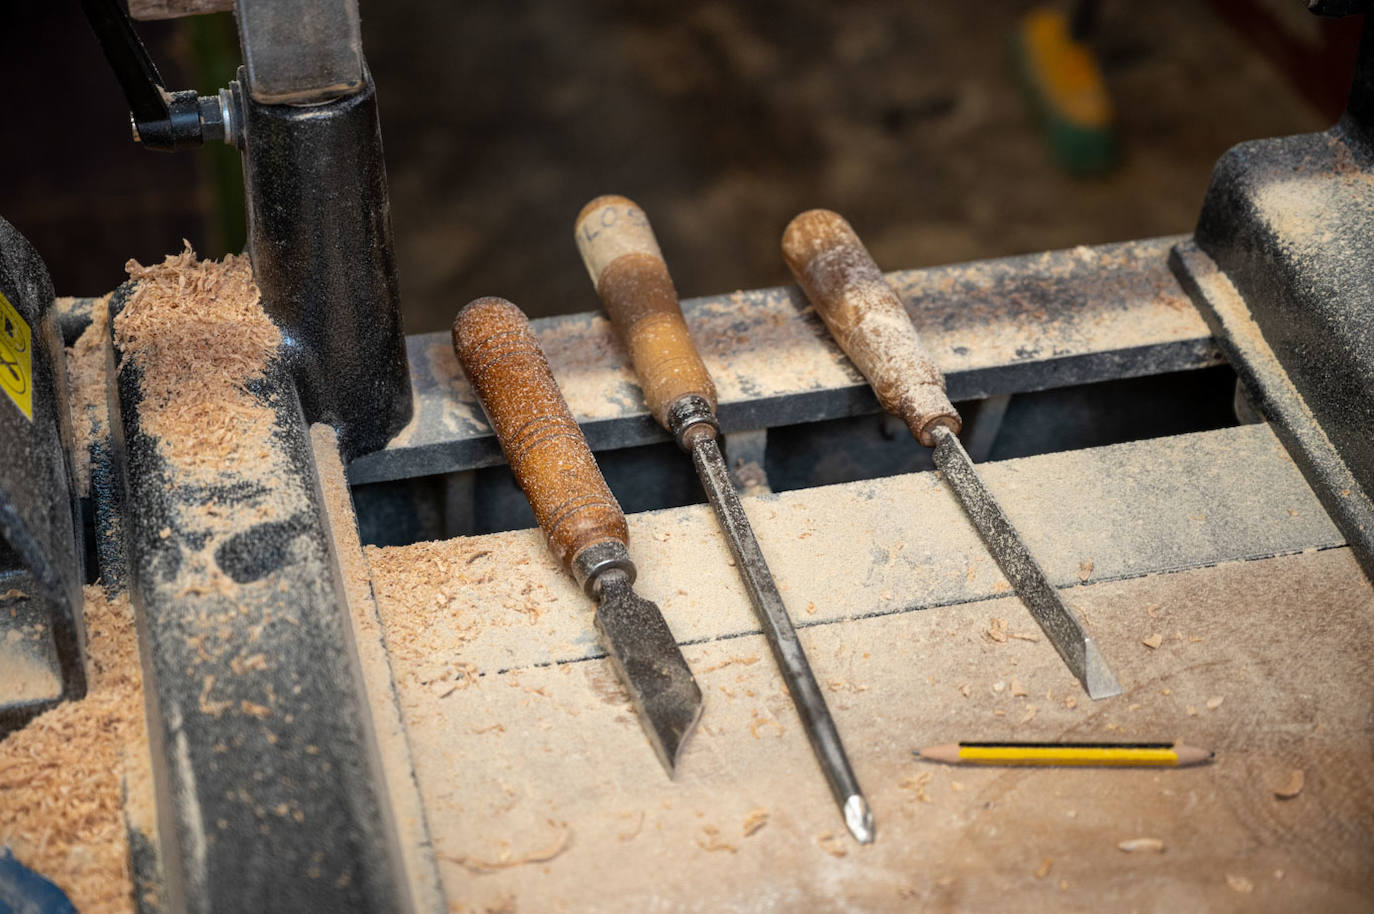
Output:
[[867, 319], [627, 268], [545, 448]]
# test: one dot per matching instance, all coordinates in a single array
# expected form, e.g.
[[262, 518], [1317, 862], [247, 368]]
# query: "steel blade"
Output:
[[650, 664], [1057, 621], [782, 638]]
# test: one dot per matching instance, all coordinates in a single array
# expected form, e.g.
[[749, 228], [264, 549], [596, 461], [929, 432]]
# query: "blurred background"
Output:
[[723, 119]]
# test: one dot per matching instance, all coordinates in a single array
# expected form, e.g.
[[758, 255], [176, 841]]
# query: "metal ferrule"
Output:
[[596, 560], [689, 417]]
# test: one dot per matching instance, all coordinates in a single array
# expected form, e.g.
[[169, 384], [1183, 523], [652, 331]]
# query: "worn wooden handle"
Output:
[[867, 319], [545, 448], [620, 251]]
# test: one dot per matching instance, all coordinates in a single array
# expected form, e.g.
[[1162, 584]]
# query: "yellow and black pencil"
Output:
[[1114, 755]]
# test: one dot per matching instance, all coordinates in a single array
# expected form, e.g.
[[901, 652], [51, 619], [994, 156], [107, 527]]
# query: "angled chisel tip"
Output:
[[650, 665], [1098, 680], [859, 818]]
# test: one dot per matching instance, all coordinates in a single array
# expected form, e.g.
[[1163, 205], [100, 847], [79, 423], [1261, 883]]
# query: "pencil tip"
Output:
[[859, 818]]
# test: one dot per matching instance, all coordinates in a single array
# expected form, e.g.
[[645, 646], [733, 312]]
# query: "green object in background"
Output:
[[212, 43], [1067, 92]]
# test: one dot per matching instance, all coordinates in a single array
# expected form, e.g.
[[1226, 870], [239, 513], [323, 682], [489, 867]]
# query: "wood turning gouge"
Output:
[[621, 254], [867, 319], [580, 517]]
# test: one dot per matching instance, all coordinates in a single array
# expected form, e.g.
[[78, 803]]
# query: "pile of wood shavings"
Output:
[[86, 385], [61, 806], [198, 335]]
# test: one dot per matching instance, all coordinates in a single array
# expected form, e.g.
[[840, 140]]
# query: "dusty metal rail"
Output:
[[1011, 325]]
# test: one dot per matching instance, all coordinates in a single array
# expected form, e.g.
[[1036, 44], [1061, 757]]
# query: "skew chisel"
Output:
[[627, 268], [580, 517], [869, 322]]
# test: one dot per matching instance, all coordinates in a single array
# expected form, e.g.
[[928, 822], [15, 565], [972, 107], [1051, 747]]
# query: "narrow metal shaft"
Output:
[[782, 638], [1058, 622]]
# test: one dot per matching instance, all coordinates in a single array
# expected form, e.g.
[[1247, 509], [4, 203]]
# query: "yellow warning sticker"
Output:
[[16, 358]]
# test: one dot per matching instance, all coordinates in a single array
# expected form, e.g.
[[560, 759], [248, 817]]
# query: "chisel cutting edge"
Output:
[[621, 254], [585, 527], [867, 319]]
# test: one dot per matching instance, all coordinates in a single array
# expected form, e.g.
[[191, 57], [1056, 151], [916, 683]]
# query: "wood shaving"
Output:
[[1029, 715], [832, 845], [1025, 636], [1192, 711], [996, 630], [1153, 641], [61, 776], [712, 841], [560, 843], [1240, 884], [999, 686], [1085, 570], [631, 835], [199, 336], [966, 690], [1018, 688], [764, 722], [956, 786], [1293, 787], [746, 661], [1215, 702], [756, 819], [1044, 869], [1070, 702], [1141, 845], [916, 783]]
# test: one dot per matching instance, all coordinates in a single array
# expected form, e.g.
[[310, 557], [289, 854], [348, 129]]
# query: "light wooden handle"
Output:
[[618, 246], [541, 440], [867, 319]]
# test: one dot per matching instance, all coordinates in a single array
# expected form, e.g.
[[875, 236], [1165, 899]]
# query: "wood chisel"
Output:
[[867, 319], [628, 271], [584, 524]]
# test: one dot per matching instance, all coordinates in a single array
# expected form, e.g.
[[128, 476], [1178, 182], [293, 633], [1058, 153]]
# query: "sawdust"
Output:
[[710, 840], [1240, 884], [1214, 702], [86, 385], [756, 820], [1292, 787], [916, 784], [1141, 845], [61, 807], [832, 845], [1044, 868], [728, 662], [1153, 641], [198, 336], [561, 842]]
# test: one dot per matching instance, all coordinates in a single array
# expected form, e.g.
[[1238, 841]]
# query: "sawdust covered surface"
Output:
[[61, 808], [86, 382], [199, 336]]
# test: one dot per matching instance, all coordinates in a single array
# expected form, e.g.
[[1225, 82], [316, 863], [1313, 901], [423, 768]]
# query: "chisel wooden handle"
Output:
[[867, 319], [627, 268], [545, 448]]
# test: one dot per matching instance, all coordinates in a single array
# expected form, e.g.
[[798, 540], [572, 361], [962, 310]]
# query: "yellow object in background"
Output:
[[1065, 86]]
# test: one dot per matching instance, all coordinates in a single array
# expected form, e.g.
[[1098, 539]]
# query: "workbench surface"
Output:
[[541, 793]]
